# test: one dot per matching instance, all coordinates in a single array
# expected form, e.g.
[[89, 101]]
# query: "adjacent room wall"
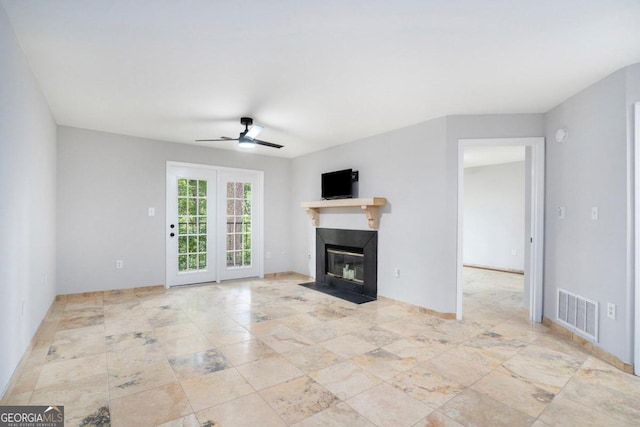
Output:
[[28, 204], [494, 216], [584, 256], [107, 182]]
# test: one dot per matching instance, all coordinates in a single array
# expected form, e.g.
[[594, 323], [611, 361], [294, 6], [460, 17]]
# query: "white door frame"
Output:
[[535, 276], [258, 237], [636, 224]]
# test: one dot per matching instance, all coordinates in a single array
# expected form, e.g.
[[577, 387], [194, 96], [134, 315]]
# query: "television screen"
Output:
[[337, 185]]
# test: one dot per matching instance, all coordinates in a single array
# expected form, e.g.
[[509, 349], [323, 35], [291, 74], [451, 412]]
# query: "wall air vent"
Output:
[[578, 314]]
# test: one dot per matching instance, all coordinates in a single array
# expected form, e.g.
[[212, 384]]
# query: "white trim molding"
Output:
[[536, 231]]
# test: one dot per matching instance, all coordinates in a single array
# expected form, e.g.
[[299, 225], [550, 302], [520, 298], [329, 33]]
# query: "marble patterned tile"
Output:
[[548, 369], [264, 373], [385, 405], [335, 416], [345, 379], [312, 358], [133, 356], [227, 334], [599, 372], [246, 352], [132, 379], [473, 408], [285, 342], [241, 412], [563, 412], [94, 415], [326, 314], [123, 341], [427, 386], [383, 364], [75, 343], [377, 336], [298, 399], [217, 387], [459, 370], [417, 350], [66, 371], [489, 348], [81, 318], [79, 398], [612, 403], [482, 373], [150, 407], [192, 365], [168, 332], [437, 419], [518, 394], [348, 346], [16, 399], [188, 421], [179, 345]]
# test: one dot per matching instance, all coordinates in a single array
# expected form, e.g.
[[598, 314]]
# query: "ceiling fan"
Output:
[[247, 138]]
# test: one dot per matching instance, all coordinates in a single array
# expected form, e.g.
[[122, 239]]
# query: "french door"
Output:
[[213, 224], [240, 209], [190, 230]]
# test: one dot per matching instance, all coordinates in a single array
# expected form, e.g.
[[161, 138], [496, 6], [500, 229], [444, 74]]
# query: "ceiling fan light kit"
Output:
[[247, 138]]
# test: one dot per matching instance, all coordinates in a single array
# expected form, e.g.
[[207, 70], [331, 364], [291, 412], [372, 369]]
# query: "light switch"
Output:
[[152, 211], [594, 213], [561, 212]]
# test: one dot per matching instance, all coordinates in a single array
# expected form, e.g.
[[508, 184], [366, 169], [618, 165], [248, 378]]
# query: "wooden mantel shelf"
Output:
[[369, 205]]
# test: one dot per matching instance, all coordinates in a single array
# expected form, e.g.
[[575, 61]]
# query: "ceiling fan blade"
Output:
[[222, 138], [267, 144]]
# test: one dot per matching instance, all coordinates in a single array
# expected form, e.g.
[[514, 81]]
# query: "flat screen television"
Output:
[[337, 185]]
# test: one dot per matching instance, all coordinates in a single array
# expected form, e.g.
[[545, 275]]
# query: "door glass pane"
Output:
[[238, 224], [192, 225]]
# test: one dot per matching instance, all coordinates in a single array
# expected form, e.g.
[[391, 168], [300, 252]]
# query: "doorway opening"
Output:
[[531, 254]]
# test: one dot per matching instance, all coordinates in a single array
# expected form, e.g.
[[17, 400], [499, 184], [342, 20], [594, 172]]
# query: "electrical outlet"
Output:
[[611, 310], [594, 213], [514, 252], [119, 264]]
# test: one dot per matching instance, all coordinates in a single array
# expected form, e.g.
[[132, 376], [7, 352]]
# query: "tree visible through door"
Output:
[[238, 247], [192, 225]]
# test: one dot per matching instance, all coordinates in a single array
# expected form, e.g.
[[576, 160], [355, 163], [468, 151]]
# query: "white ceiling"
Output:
[[314, 73]]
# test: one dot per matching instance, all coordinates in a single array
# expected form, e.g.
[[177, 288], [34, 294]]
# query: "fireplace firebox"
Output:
[[347, 264]]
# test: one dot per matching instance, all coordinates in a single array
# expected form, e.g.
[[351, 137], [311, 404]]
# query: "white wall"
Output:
[[27, 207], [591, 258], [107, 182], [407, 167], [494, 216]]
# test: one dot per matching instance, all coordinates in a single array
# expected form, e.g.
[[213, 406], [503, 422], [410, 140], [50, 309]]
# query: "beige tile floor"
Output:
[[270, 353]]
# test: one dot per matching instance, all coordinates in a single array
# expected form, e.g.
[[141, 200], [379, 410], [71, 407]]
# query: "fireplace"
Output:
[[347, 264]]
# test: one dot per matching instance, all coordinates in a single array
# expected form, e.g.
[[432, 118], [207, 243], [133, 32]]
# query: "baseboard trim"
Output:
[[587, 345], [486, 267], [284, 275], [419, 309]]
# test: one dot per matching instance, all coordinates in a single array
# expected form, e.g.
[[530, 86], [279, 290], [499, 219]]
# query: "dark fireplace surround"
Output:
[[351, 241]]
